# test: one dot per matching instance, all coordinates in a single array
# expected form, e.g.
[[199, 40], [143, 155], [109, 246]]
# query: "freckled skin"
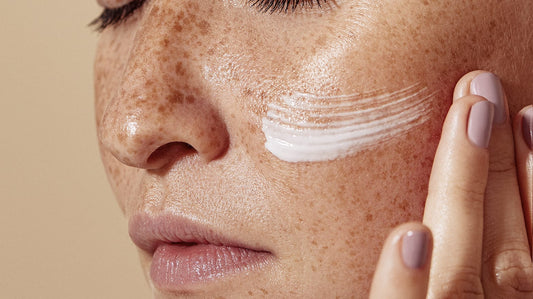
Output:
[[181, 88]]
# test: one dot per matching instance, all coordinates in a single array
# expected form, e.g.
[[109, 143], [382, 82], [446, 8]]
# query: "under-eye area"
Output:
[[308, 128]]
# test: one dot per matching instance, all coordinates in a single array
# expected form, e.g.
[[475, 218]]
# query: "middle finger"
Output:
[[506, 258]]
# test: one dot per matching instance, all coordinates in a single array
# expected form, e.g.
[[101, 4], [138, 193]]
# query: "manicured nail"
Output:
[[480, 123], [527, 127], [489, 86], [415, 249]]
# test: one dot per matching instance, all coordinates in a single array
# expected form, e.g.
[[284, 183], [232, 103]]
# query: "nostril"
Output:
[[167, 153]]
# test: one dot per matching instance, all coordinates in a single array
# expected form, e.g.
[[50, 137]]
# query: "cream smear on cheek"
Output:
[[305, 127]]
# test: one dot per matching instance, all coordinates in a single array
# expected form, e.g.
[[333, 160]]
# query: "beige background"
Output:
[[62, 234]]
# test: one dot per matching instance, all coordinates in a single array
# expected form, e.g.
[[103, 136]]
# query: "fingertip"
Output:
[[468, 123], [523, 138], [462, 88], [403, 267], [416, 248], [523, 126], [487, 85], [414, 242]]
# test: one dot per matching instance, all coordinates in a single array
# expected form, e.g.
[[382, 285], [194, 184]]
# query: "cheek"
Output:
[[331, 207], [306, 127], [118, 177], [125, 182]]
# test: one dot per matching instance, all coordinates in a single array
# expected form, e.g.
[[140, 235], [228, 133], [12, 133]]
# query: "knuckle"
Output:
[[503, 166], [474, 193], [465, 283], [515, 280], [510, 273]]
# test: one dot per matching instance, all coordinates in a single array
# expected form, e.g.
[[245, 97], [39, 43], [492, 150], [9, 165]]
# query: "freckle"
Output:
[[204, 27], [250, 293], [264, 291], [404, 205], [313, 268], [369, 217], [179, 97], [252, 129], [190, 99], [172, 98], [179, 68], [165, 42], [178, 27]]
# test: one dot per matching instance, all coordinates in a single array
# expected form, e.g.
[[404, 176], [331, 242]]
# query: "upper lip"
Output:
[[148, 232]]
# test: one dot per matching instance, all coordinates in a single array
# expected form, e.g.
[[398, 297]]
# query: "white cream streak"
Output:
[[309, 128]]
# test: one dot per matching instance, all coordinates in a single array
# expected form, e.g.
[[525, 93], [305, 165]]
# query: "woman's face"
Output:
[[219, 123]]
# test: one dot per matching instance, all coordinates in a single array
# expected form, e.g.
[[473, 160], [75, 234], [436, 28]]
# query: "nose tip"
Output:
[[148, 141]]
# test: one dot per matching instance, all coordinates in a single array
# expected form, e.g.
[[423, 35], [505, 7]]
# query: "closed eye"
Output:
[[114, 16], [284, 5]]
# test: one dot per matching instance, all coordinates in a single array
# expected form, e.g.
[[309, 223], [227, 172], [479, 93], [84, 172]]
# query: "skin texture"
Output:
[[182, 86], [473, 210]]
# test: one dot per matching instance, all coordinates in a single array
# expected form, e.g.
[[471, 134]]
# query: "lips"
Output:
[[187, 254]]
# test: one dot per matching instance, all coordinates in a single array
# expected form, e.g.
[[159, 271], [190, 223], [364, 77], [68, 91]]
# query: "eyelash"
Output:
[[284, 6], [115, 16]]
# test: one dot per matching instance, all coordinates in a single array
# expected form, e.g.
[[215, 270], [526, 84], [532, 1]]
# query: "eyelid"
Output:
[[286, 6], [114, 16], [112, 3]]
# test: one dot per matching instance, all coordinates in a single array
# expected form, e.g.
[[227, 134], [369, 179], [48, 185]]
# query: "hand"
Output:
[[474, 238]]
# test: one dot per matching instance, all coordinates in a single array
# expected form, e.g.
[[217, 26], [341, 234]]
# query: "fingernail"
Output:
[[489, 86], [480, 123], [527, 127], [415, 249]]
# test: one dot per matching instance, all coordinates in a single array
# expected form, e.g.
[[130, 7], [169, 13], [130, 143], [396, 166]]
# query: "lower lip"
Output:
[[179, 267]]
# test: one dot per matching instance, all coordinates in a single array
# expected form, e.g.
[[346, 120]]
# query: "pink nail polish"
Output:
[[527, 127], [489, 86], [480, 123], [415, 249]]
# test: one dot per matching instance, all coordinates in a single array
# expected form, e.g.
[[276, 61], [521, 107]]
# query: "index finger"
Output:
[[454, 206]]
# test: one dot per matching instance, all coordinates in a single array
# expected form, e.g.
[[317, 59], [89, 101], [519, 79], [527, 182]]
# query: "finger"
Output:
[[454, 207], [505, 247], [403, 267], [523, 131]]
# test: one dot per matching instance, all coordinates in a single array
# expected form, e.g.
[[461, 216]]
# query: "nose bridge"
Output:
[[159, 100]]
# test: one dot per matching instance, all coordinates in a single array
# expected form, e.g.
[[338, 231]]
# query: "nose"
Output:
[[161, 109]]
